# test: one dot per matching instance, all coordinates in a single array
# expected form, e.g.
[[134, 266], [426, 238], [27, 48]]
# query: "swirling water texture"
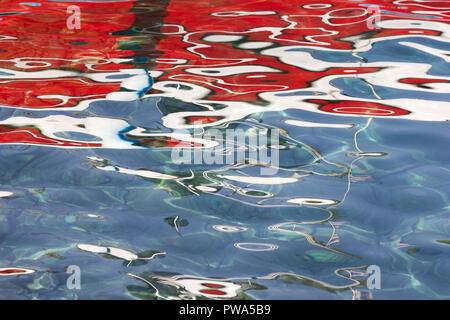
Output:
[[89, 119]]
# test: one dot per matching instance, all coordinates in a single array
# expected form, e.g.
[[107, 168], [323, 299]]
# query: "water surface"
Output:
[[90, 118]]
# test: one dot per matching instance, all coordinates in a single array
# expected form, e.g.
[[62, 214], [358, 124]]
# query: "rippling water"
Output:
[[92, 110]]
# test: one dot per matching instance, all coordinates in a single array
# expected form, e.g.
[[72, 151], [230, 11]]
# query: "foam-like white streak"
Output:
[[105, 129], [259, 180], [417, 24], [5, 194], [141, 173], [242, 13], [255, 44], [222, 38], [43, 74], [445, 13], [228, 71], [443, 54], [308, 124]]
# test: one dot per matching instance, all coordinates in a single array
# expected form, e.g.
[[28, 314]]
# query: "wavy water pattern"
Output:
[[357, 93]]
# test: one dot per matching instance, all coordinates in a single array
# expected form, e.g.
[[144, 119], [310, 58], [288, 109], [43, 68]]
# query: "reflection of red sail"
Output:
[[216, 47], [216, 37], [37, 39], [45, 64], [52, 92], [42, 31], [37, 47]]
